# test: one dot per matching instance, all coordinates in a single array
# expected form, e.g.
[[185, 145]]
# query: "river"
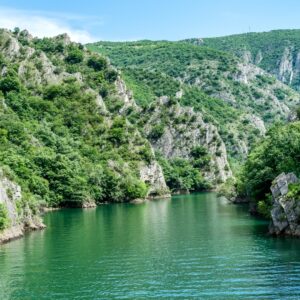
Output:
[[189, 247]]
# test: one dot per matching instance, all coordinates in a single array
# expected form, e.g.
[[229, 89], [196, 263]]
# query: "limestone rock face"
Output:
[[153, 176], [285, 72], [48, 69], [285, 212], [9, 45], [65, 38], [247, 57], [18, 219], [258, 58], [152, 173], [257, 123], [287, 69], [125, 95], [180, 137], [30, 73], [247, 73], [10, 193]]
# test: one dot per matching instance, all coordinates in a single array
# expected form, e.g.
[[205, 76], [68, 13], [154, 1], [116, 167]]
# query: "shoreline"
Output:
[[18, 231]]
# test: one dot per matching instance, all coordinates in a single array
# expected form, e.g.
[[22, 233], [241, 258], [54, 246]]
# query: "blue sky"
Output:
[[89, 20]]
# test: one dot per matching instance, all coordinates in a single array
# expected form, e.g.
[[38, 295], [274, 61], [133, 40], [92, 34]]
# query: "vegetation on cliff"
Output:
[[276, 51], [4, 221], [57, 140], [232, 95], [279, 152], [72, 133]]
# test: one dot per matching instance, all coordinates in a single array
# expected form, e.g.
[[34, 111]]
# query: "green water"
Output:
[[189, 247]]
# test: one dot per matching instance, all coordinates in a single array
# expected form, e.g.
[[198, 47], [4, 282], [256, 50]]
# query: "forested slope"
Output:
[[240, 99], [276, 51]]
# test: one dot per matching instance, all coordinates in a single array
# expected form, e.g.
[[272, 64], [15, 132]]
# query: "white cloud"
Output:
[[43, 24]]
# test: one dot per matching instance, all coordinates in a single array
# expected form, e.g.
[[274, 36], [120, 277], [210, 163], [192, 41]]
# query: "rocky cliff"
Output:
[[183, 129], [16, 215], [287, 67], [277, 51], [150, 173], [69, 109], [234, 95], [285, 212], [65, 132]]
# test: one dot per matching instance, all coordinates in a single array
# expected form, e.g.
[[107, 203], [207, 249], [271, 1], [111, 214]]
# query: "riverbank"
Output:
[[195, 246], [36, 223], [18, 231]]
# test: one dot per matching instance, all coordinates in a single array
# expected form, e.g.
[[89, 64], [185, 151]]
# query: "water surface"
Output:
[[189, 247]]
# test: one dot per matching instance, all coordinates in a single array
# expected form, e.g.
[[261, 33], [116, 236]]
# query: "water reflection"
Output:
[[193, 246]]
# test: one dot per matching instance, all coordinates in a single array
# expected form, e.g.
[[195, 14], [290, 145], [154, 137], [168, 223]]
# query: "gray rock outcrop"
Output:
[[184, 130], [258, 123], [285, 213], [18, 219], [153, 176], [125, 95], [286, 72], [287, 68]]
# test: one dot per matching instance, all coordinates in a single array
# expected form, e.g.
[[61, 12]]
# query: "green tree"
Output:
[[278, 152], [10, 83], [74, 56], [4, 221], [97, 62]]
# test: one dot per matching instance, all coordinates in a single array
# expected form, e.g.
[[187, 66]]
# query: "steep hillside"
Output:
[[177, 134], [269, 179], [240, 99], [76, 131], [180, 134], [277, 51], [62, 143]]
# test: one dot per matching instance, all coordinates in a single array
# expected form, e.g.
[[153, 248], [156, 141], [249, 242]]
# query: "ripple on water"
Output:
[[192, 247]]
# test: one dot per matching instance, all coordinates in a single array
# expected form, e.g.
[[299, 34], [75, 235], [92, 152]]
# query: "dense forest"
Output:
[[57, 142], [276, 51], [114, 122], [278, 152], [242, 101]]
